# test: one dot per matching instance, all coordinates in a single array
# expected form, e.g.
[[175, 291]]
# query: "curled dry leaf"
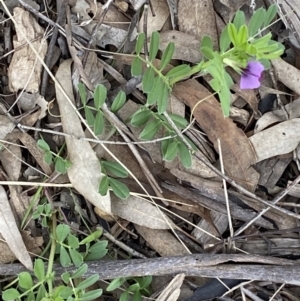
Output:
[[11, 233], [25, 69], [238, 153], [280, 139], [85, 171]]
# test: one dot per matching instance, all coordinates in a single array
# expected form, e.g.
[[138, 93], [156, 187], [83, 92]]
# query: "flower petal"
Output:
[[249, 81], [255, 68]]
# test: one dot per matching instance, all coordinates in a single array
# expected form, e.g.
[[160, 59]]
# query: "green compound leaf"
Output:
[[64, 257], [118, 102], [136, 67], [10, 294], [76, 257], [256, 21], [207, 52], [43, 145], [162, 101], [89, 116], [48, 158], [270, 15], [167, 56], [103, 187], [224, 40], [91, 295], [82, 93], [98, 247], [96, 234], [148, 80], [154, 45], [73, 241], [99, 124], [150, 129], [179, 121], [242, 35], [119, 189], [116, 283], [80, 272], [100, 94], [172, 151], [115, 168], [25, 280], [239, 19], [140, 43], [39, 269], [60, 165], [185, 155], [87, 282], [62, 231], [140, 117], [206, 42], [232, 32]]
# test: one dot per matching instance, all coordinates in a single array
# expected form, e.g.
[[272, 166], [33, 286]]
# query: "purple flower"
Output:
[[251, 75]]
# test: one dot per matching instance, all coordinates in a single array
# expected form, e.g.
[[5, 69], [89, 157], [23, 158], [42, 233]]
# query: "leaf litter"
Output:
[[260, 151]]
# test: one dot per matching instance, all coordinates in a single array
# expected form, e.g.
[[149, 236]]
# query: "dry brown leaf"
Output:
[[11, 233], [197, 18], [24, 60], [238, 154], [172, 291], [85, 172], [32, 244], [280, 139], [140, 212], [6, 126], [155, 23], [163, 242], [187, 47]]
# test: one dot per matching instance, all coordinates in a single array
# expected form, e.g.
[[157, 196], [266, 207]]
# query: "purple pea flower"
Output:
[[251, 75]]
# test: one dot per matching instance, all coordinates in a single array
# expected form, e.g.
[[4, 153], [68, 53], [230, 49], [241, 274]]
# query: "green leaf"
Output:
[[96, 234], [242, 35], [66, 292], [266, 63], [25, 280], [124, 296], [224, 95], [60, 165], [103, 187], [215, 84], [232, 32], [179, 121], [185, 155], [43, 145], [269, 48], [271, 56], [140, 43], [146, 281], [154, 45], [136, 67], [98, 246], [207, 52], [256, 21], [96, 256], [62, 231], [47, 209], [224, 40], [137, 296], [180, 70], [116, 283], [171, 151], [80, 272], [64, 257], [39, 269], [87, 282], [31, 297], [82, 93], [206, 42], [134, 287], [91, 295], [66, 277], [100, 94], [76, 257], [239, 19], [228, 79], [263, 41], [45, 222], [148, 80], [115, 168], [73, 241], [167, 56], [165, 145], [150, 129], [140, 117], [119, 189], [99, 124], [48, 158], [89, 116], [10, 294], [162, 101], [270, 15], [118, 102], [153, 96]]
